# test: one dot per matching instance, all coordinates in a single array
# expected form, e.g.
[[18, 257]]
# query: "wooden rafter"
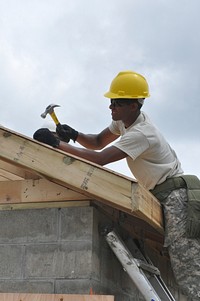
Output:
[[81, 176]]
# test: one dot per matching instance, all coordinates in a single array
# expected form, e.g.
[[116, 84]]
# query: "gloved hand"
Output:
[[65, 132], [46, 136]]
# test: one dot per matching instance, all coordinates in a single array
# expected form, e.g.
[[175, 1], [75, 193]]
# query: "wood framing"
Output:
[[30, 191], [81, 176], [54, 297], [8, 171]]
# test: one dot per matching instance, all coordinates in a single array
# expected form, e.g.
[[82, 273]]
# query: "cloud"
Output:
[[67, 52]]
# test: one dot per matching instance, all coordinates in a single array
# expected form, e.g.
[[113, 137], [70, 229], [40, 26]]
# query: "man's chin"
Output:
[[115, 118]]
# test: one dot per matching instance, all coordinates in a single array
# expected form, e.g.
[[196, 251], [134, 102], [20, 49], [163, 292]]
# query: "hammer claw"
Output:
[[50, 110]]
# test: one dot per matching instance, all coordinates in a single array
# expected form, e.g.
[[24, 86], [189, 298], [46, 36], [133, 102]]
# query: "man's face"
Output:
[[120, 108]]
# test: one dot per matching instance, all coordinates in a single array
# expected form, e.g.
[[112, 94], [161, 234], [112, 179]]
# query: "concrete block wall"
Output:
[[61, 251]]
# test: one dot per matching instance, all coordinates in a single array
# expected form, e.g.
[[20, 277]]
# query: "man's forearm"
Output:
[[96, 141], [87, 154], [107, 155], [89, 141]]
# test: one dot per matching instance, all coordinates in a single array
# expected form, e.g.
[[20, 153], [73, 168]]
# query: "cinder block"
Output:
[[84, 286], [110, 268], [13, 286], [76, 223], [78, 286], [42, 225], [11, 261], [22, 226], [71, 260], [61, 251], [98, 240]]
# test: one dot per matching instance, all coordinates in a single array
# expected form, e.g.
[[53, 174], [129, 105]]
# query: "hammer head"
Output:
[[49, 110]]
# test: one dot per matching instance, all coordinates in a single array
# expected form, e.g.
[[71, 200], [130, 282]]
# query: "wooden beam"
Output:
[[44, 205], [53, 297], [145, 205], [7, 175], [30, 191], [82, 176], [12, 172]]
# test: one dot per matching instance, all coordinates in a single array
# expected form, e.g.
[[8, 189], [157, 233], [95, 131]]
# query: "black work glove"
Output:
[[65, 132], [46, 136]]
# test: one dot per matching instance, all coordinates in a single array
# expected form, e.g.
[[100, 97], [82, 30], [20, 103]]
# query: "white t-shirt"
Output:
[[150, 157]]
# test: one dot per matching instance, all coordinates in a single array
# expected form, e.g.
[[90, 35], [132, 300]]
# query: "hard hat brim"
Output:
[[115, 96]]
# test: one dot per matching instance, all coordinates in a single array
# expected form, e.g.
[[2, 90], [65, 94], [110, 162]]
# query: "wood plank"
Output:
[[82, 176], [145, 205], [14, 172], [29, 191], [53, 297], [2, 179], [7, 175], [44, 205]]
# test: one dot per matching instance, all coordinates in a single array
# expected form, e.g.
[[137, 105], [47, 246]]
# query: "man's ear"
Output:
[[134, 107]]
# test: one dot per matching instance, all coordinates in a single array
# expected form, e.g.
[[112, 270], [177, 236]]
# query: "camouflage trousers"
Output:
[[184, 252]]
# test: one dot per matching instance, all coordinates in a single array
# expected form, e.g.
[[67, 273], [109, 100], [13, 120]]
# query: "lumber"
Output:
[[45, 205], [30, 191], [81, 176], [8, 171], [53, 297]]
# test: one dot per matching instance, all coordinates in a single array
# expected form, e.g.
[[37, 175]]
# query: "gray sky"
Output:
[[68, 51]]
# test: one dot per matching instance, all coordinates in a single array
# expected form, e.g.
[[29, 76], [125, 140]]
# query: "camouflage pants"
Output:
[[184, 252]]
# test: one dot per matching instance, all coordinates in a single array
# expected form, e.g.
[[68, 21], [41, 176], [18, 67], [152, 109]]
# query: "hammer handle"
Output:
[[54, 117]]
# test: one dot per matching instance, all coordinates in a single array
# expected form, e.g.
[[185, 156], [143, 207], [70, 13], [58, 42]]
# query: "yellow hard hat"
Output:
[[128, 84]]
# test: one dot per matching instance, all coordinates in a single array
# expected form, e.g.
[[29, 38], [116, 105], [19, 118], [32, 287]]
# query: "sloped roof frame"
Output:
[[24, 160]]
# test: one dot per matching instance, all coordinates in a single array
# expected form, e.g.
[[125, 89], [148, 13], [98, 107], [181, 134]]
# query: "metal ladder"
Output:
[[143, 273]]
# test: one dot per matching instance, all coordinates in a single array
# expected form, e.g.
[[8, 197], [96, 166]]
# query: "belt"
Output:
[[169, 185]]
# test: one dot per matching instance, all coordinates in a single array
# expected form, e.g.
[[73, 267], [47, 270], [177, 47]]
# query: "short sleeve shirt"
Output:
[[150, 157]]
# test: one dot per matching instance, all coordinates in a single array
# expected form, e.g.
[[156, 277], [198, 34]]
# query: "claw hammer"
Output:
[[50, 110]]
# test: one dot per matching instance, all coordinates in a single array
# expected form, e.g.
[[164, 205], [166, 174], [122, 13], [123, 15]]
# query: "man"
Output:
[[150, 158]]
